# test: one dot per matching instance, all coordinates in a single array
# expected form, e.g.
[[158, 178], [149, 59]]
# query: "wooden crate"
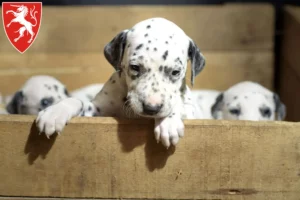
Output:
[[111, 158], [290, 65]]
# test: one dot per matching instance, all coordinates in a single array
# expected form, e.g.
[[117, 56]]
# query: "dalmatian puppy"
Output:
[[248, 101], [2, 106], [205, 99], [36, 94], [150, 60], [87, 93]]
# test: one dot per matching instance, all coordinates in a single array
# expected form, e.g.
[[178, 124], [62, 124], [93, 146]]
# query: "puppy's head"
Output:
[[248, 101], [153, 55], [38, 93]]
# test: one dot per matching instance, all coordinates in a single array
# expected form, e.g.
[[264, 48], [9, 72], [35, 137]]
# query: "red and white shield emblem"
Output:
[[21, 21]]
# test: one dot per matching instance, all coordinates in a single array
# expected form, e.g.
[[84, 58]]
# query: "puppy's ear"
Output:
[[280, 108], [114, 50], [12, 106], [197, 60], [216, 108]]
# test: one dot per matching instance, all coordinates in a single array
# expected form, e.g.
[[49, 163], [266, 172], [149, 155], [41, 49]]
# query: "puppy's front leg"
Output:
[[54, 118], [168, 130]]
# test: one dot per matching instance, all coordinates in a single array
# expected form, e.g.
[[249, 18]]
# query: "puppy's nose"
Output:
[[151, 109]]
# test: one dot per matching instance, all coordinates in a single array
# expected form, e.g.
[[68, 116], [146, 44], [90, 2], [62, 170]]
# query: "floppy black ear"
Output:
[[280, 108], [217, 106], [12, 106], [197, 60], [114, 50]]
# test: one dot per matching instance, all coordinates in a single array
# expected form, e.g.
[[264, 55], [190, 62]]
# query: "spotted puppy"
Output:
[[205, 99], [87, 93], [37, 93], [248, 101], [151, 62]]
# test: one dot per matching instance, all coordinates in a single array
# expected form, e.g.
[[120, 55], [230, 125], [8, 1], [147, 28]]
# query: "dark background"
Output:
[[277, 4]]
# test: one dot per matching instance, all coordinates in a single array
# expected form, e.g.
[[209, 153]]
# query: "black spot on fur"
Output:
[[246, 97], [113, 82], [235, 97], [165, 55], [128, 45], [148, 26], [90, 108], [160, 68], [149, 70], [155, 49], [171, 96], [139, 46], [147, 48], [189, 98], [146, 35], [167, 42], [170, 116], [55, 87], [145, 87], [171, 37], [98, 109], [167, 70], [134, 54], [105, 93], [152, 84], [154, 90], [178, 60], [141, 57], [66, 92], [149, 41]]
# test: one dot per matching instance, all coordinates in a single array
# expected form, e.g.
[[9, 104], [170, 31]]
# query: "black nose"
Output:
[[151, 109]]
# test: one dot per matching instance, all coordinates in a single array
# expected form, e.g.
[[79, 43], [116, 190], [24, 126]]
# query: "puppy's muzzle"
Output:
[[149, 109]]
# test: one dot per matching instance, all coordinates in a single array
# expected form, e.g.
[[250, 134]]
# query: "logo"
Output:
[[21, 21]]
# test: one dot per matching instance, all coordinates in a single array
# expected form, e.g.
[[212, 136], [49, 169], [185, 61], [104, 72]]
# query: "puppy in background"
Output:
[[248, 101], [205, 99], [2, 106], [38, 93], [87, 93]]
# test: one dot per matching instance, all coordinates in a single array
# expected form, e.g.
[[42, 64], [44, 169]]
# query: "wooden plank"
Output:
[[289, 87], [291, 40], [89, 28], [77, 70], [112, 158]]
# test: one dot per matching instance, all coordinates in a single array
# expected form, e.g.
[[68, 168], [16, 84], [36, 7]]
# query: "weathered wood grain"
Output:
[[111, 158], [89, 28]]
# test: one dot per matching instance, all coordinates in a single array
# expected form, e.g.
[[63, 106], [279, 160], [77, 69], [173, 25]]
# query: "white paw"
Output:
[[169, 130], [53, 119]]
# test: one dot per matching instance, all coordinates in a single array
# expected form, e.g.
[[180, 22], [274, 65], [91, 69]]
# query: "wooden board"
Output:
[[77, 70], [110, 158], [289, 87], [291, 39], [89, 28], [290, 66]]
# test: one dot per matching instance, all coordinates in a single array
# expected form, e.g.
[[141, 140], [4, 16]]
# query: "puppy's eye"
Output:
[[265, 112], [135, 68], [235, 111], [175, 72], [46, 102]]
